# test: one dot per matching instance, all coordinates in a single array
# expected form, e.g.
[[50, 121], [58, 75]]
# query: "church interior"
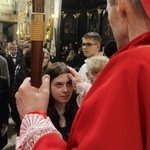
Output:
[[66, 21]]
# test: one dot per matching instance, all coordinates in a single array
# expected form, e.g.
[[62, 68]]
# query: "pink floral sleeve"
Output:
[[82, 89]]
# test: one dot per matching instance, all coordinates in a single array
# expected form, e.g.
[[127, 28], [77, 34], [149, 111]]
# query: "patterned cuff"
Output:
[[82, 87], [39, 112], [32, 128]]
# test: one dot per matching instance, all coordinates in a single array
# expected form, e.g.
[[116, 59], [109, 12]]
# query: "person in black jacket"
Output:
[[21, 72], [62, 105], [4, 109], [13, 60]]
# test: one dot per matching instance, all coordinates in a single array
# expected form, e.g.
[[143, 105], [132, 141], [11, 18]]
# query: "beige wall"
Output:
[[7, 8]]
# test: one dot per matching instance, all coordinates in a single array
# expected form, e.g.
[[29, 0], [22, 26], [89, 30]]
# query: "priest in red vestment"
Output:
[[114, 114]]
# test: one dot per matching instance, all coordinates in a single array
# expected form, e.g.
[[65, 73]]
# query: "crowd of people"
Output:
[[15, 61], [61, 110], [101, 104], [115, 111], [11, 55]]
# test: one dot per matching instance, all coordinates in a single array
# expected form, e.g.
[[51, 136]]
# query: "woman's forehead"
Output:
[[62, 78]]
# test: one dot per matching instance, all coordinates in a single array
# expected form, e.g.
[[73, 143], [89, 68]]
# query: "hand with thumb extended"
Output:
[[29, 98]]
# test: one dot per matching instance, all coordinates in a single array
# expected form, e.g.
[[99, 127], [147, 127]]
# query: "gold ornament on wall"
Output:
[[25, 10], [89, 14], [49, 30], [99, 10], [76, 15], [24, 30], [64, 14]]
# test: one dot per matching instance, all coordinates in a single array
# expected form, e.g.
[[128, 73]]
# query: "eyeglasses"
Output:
[[88, 44]]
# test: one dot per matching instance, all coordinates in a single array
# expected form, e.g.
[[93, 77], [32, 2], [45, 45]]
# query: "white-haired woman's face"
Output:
[[92, 76], [61, 89]]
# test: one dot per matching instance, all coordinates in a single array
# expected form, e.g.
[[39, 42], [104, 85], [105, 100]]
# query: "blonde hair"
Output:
[[96, 63]]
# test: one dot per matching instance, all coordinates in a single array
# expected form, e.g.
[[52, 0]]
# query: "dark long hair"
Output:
[[54, 71]]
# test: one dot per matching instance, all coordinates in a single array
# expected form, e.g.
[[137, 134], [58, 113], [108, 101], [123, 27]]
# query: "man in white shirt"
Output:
[[91, 44]]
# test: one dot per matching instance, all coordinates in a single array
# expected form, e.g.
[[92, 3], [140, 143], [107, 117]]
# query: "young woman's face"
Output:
[[61, 89]]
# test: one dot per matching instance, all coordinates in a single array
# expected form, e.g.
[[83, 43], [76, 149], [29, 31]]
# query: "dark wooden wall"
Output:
[[81, 16]]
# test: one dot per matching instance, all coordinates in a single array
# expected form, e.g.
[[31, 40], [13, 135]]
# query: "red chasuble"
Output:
[[115, 114]]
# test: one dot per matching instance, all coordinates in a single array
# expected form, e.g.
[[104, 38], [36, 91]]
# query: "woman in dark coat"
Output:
[[4, 96], [21, 72], [62, 105]]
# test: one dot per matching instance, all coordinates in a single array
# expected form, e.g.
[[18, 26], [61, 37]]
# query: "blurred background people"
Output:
[[46, 60], [95, 65], [70, 60], [4, 99], [21, 44], [3, 47], [21, 72], [110, 48], [12, 60]]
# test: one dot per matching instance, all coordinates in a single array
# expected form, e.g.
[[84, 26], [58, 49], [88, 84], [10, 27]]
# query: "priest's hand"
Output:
[[74, 76], [30, 99]]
